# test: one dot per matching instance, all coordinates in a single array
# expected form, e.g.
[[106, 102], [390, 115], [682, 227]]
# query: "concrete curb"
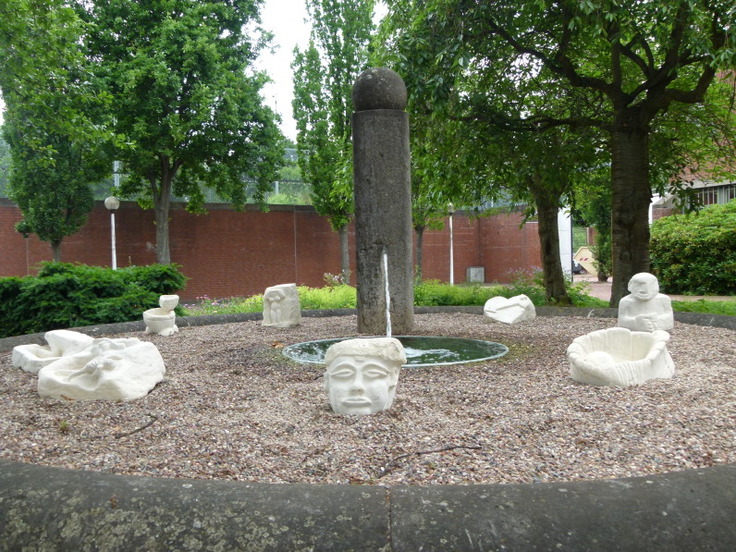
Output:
[[55, 509], [44, 508]]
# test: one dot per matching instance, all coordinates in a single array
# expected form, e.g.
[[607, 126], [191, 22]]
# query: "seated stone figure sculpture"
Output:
[[362, 374], [281, 307], [645, 309], [162, 321], [106, 369]]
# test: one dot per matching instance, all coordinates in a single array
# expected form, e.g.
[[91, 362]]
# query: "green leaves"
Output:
[[187, 99], [696, 253], [324, 76]]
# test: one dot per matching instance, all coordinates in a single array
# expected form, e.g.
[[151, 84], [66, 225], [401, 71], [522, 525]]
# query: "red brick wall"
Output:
[[225, 253]]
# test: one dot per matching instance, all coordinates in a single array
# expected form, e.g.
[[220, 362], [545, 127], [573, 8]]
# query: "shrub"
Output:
[[695, 254], [65, 295], [430, 293], [340, 296]]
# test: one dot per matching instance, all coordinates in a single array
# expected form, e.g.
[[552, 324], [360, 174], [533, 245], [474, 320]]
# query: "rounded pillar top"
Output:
[[379, 88]]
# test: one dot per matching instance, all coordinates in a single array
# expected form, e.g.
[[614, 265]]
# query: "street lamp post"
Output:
[[451, 211], [112, 203]]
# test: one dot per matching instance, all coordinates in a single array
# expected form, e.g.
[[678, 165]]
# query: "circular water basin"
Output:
[[420, 350]]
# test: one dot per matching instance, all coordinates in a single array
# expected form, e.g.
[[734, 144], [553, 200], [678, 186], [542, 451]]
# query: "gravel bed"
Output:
[[232, 407]]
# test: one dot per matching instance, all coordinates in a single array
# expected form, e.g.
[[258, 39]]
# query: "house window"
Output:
[[717, 194]]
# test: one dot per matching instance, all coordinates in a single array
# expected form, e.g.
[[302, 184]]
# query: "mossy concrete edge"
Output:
[[44, 508]]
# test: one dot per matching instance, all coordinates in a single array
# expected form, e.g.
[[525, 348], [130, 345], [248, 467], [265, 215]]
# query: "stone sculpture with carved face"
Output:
[[362, 374], [645, 309]]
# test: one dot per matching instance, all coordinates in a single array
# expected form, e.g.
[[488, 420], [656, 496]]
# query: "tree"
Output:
[[54, 119], [323, 79], [4, 165], [186, 100], [625, 63]]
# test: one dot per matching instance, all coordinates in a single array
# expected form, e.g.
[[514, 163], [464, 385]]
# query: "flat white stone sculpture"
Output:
[[32, 358], [510, 311], [619, 357], [362, 374], [281, 307], [645, 309], [162, 321], [107, 369]]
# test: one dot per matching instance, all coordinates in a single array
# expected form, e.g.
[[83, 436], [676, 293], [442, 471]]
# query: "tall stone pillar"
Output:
[[382, 184]]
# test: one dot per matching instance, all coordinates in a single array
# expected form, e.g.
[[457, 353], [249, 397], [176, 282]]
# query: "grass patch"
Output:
[[707, 307], [434, 293]]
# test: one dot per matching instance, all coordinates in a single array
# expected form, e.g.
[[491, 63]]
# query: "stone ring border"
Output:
[[44, 508]]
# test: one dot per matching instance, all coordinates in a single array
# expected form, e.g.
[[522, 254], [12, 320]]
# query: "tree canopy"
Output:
[[324, 74], [186, 99], [54, 123], [609, 65]]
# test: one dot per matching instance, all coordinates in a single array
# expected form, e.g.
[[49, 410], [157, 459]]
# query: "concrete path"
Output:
[[602, 290]]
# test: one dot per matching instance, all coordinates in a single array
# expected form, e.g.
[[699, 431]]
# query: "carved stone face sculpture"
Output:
[[362, 374], [643, 286]]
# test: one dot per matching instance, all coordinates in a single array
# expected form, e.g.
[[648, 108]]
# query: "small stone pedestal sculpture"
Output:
[[510, 311], [619, 357], [362, 374], [645, 309], [88, 369], [162, 321], [281, 306]]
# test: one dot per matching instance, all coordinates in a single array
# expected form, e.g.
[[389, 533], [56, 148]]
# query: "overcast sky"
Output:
[[285, 19]]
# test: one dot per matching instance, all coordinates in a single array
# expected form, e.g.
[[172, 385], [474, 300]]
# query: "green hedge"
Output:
[[695, 254], [66, 295]]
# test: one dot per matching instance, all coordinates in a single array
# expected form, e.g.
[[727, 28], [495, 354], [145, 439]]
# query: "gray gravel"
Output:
[[232, 407]]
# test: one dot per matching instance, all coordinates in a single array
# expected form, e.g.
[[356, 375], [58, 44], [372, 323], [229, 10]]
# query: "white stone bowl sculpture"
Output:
[[619, 357], [162, 321], [32, 357]]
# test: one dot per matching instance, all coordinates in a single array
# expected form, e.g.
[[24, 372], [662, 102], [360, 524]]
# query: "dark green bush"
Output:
[[696, 254], [65, 295]]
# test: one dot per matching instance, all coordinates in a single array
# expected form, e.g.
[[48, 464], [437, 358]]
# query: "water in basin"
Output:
[[420, 350]]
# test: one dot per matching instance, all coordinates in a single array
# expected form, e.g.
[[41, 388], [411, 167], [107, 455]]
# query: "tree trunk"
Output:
[[161, 203], [420, 245], [549, 238], [631, 197], [56, 251], [344, 254]]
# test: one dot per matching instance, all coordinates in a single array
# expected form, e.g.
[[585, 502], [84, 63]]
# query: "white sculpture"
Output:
[[162, 321], [107, 369], [362, 374], [619, 357], [510, 311], [32, 358], [281, 307], [645, 309]]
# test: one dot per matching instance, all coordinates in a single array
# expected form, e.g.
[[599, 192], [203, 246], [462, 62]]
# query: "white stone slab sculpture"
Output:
[[510, 311], [119, 369], [75, 366], [362, 374], [619, 357], [32, 358], [645, 309], [162, 321], [281, 306]]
